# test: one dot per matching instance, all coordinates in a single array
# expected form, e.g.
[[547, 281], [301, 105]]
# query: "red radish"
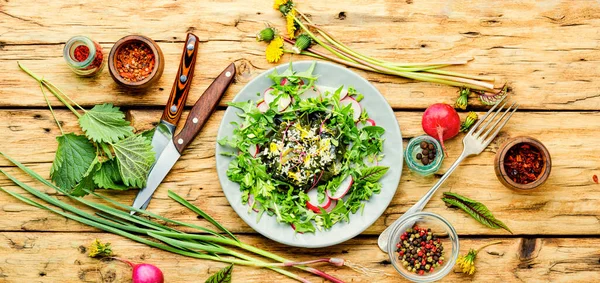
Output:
[[331, 206], [313, 203], [284, 101], [253, 150], [262, 106], [441, 121], [342, 189], [312, 92], [269, 96], [253, 203], [368, 122], [294, 227], [343, 94], [355, 107], [144, 272]]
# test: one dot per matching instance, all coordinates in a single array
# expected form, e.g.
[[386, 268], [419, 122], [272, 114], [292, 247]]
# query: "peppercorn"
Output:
[[425, 160], [424, 145], [419, 156], [422, 254]]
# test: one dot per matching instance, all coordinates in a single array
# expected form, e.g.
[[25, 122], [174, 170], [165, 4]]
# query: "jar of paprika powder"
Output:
[[84, 56]]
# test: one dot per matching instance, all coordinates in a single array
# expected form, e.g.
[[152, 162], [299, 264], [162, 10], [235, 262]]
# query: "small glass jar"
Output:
[[84, 56], [414, 147]]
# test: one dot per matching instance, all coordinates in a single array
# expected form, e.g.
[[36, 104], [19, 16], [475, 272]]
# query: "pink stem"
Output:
[[324, 275], [440, 132], [124, 260]]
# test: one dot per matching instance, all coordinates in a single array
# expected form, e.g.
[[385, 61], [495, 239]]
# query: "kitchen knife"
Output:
[[198, 116], [181, 87]]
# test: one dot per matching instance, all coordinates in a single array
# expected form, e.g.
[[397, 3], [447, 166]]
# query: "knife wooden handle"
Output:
[[203, 108], [183, 81]]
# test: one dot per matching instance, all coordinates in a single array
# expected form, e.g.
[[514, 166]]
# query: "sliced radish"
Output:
[[355, 107], [262, 106], [343, 94], [294, 227], [284, 102], [313, 203], [342, 189], [285, 81], [313, 92], [331, 206], [253, 203], [253, 150], [269, 96], [368, 122]]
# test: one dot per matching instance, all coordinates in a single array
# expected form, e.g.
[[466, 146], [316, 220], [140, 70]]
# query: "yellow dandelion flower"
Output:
[[290, 25], [278, 3], [467, 262], [274, 50]]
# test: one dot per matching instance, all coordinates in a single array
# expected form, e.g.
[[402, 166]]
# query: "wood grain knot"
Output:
[[529, 249], [341, 15]]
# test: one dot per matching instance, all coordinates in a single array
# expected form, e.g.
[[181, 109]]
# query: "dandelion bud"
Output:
[[266, 34], [302, 42]]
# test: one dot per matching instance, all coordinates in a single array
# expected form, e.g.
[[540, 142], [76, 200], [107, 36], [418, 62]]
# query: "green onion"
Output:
[[138, 229]]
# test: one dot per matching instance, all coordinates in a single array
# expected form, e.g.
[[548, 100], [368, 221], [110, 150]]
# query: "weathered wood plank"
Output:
[[547, 52], [48, 257], [569, 197]]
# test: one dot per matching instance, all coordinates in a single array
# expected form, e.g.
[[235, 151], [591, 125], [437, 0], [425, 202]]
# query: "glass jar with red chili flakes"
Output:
[[84, 56]]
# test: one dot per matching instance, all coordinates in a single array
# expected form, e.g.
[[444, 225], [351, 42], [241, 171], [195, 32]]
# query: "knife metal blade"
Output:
[[198, 116], [174, 107]]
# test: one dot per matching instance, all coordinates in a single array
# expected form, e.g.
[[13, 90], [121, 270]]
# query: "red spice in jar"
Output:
[[523, 163], [135, 61], [81, 53]]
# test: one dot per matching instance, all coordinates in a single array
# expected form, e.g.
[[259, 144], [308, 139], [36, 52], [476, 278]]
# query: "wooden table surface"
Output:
[[548, 52]]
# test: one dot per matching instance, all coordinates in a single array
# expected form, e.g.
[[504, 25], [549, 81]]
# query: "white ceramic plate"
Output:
[[330, 76]]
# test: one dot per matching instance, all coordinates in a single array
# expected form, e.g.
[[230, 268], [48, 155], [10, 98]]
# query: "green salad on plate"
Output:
[[305, 154]]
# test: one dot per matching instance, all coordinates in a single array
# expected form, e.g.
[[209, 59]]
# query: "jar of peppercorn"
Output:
[[424, 155], [84, 56]]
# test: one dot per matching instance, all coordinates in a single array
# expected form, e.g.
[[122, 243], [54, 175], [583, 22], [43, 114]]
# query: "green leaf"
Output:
[[373, 174], [135, 158], [476, 209], [86, 184], [148, 133], [108, 176], [222, 276], [200, 213], [73, 158], [105, 123]]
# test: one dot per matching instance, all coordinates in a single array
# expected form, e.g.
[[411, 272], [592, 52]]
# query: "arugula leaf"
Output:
[[373, 174], [108, 176], [105, 123], [222, 276], [135, 158], [74, 157], [475, 209]]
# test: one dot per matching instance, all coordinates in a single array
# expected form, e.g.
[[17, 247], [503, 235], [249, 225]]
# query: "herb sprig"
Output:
[[475, 209], [109, 155]]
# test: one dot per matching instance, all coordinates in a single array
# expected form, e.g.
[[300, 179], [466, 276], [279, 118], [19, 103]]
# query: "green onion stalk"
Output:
[[338, 52], [213, 246]]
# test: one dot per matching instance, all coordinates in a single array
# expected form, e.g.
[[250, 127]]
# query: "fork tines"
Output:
[[498, 123]]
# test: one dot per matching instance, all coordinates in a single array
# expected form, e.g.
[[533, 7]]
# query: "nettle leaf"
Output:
[[475, 209], [222, 276], [135, 158], [148, 133], [105, 123], [373, 174], [73, 159], [86, 184], [108, 176]]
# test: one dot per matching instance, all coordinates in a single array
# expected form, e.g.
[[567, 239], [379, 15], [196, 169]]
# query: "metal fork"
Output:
[[474, 142]]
